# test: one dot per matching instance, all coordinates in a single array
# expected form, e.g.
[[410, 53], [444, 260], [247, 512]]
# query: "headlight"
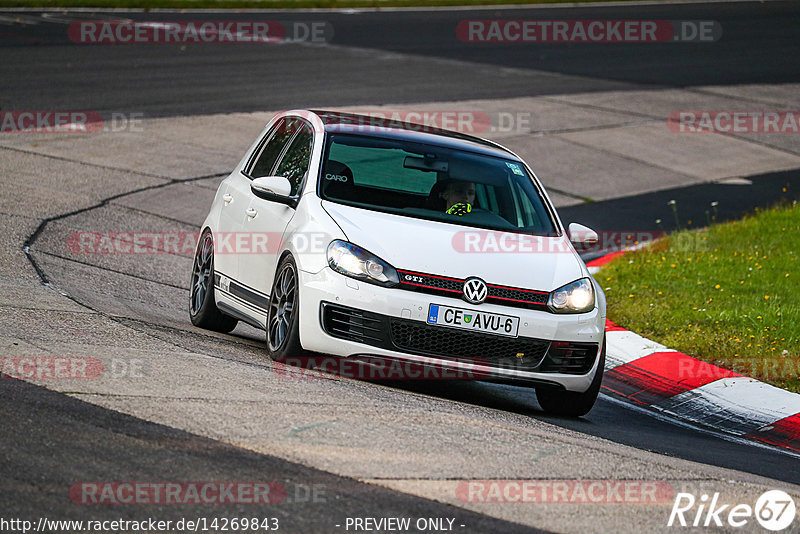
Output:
[[351, 260], [576, 297]]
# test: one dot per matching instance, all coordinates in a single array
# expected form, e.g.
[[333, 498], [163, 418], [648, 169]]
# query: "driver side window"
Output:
[[295, 162], [270, 151]]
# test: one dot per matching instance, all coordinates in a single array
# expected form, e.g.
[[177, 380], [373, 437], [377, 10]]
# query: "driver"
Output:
[[458, 197]]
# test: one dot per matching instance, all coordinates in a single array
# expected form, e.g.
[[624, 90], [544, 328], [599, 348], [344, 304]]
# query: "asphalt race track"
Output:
[[181, 404], [387, 57]]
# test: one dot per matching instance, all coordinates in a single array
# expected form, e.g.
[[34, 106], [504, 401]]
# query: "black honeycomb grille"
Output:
[[420, 338], [514, 295]]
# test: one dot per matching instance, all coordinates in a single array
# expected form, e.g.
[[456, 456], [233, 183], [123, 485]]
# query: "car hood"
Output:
[[518, 260]]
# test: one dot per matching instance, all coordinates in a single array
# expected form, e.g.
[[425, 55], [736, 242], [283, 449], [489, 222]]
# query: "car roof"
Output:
[[391, 128]]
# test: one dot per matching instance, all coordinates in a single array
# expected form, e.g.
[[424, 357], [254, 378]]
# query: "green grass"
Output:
[[728, 294], [264, 4]]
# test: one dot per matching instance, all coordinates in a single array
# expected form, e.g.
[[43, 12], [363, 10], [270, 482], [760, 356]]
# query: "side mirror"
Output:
[[582, 237], [275, 189]]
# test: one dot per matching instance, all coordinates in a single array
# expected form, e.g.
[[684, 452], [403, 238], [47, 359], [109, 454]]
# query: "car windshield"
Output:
[[432, 182]]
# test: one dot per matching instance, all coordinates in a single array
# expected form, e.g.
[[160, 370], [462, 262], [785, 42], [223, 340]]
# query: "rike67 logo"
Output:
[[774, 510]]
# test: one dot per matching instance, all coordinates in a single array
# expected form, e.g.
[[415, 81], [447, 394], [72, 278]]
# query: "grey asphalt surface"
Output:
[[380, 57], [374, 58], [46, 458]]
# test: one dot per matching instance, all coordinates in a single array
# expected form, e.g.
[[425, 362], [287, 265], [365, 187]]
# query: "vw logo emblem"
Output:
[[475, 290]]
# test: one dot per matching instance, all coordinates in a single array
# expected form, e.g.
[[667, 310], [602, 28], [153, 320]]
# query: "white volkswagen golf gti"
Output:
[[341, 235]]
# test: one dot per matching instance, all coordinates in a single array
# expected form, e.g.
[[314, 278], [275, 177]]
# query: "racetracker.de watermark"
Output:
[[587, 31], [466, 121], [199, 31], [71, 368], [72, 122], [185, 243], [177, 493], [564, 491], [783, 367], [374, 368], [733, 121], [462, 241], [496, 242], [51, 367]]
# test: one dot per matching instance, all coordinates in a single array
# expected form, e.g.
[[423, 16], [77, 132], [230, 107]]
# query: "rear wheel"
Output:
[[283, 321], [203, 310], [571, 403]]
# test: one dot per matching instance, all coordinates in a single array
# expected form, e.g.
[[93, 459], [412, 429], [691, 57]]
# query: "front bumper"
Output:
[[400, 331]]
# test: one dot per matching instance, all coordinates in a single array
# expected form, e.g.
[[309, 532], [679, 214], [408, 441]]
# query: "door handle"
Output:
[[227, 197], [251, 212]]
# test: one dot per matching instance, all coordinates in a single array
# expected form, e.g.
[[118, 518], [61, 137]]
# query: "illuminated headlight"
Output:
[[351, 260], [576, 297]]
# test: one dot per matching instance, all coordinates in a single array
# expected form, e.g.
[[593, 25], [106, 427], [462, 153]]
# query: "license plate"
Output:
[[476, 321]]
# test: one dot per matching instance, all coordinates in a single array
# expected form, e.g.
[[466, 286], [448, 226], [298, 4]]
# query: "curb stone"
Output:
[[652, 375]]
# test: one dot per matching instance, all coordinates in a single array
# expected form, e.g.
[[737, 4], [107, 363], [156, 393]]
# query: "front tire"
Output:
[[570, 403], [203, 310], [283, 318]]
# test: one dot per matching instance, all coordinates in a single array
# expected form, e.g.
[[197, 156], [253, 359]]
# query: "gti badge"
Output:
[[474, 290]]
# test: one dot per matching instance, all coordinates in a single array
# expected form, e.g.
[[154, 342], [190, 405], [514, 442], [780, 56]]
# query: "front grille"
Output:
[[453, 287], [441, 342], [417, 337], [502, 293], [431, 281]]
